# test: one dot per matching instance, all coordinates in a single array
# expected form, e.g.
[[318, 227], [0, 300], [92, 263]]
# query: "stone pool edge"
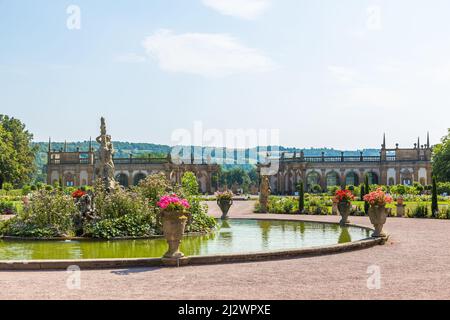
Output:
[[92, 264]]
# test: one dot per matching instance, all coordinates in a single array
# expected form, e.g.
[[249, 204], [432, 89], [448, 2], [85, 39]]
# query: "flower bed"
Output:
[[104, 215]]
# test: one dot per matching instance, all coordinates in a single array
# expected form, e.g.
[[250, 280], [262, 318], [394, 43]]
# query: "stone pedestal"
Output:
[[377, 215], [173, 228], [224, 206], [264, 194], [334, 209], [401, 210], [344, 210]]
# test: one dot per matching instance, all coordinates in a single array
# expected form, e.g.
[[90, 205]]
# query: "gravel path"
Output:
[[414, 264]]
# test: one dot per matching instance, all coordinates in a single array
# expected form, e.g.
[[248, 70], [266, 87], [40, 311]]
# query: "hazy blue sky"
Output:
[[325, 73]]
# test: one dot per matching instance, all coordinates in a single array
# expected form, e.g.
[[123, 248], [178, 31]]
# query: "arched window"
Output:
[[312, 179], [69, 179], [373, 178], [352, 179], [332, 179], [138, 177], [122, 179], [391, 181]]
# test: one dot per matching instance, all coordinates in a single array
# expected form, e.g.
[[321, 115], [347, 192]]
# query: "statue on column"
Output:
[[105, 155], [264, 194]]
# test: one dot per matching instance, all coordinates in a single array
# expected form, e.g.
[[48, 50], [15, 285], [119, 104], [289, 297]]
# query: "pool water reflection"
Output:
[[232, 237]]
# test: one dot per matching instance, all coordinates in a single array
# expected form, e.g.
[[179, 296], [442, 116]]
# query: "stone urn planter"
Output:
[[174, 225], [225, 205], [377, 215], [344, 211]]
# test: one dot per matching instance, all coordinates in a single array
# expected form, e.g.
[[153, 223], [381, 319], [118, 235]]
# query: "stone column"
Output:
[[342, 183], [323, 180], [397, 175], [130, 178]]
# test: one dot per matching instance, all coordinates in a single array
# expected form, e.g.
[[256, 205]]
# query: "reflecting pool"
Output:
[[232, 236]]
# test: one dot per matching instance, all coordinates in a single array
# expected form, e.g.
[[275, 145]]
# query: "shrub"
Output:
[[418, 187], [128, 225], [200, 221], [444, 213], [7, 186], [49, 214], [286, 205], [121, 213], [189, 184], [7, 207], [332, 190], [26, 189], [443, 187], [154, 186], [421, 211], [316, 188]]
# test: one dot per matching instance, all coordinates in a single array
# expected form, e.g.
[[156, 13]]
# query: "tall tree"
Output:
[[441, 159], [434, 200], [301, 197], [17, 155], [367, 191]]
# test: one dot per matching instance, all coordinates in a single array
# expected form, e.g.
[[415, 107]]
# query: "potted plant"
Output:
[[224, 201], [174, 214], [344, 201], [400, 207], [377, 211]]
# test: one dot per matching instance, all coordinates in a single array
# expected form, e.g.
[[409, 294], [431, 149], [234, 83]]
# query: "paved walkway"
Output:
[[414, 264]]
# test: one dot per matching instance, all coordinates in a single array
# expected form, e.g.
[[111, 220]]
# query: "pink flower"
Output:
[[173, 202]]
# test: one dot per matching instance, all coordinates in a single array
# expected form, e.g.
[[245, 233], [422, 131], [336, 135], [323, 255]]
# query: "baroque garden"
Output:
[[160, 211]]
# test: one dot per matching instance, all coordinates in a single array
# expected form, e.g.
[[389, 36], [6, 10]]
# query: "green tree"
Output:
[[17, 154], [237, 176], [434, 200], [301, 198], [190, 184], [441, 159], [367, 191], [363, 192]]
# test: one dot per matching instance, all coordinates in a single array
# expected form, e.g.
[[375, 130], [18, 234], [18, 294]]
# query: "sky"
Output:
[[313, 73]]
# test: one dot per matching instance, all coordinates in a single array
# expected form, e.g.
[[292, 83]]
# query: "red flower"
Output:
[[344, 196], [78, 194]]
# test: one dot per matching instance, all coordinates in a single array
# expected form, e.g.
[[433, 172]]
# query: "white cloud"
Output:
[[373, 97], [244, 9], [209, 55], [129, 58], [343, 74]]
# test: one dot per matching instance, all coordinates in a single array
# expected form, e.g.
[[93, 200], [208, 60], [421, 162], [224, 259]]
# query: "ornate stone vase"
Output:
[[174, 225], [225, 205], [377, 215], [344, 211]]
